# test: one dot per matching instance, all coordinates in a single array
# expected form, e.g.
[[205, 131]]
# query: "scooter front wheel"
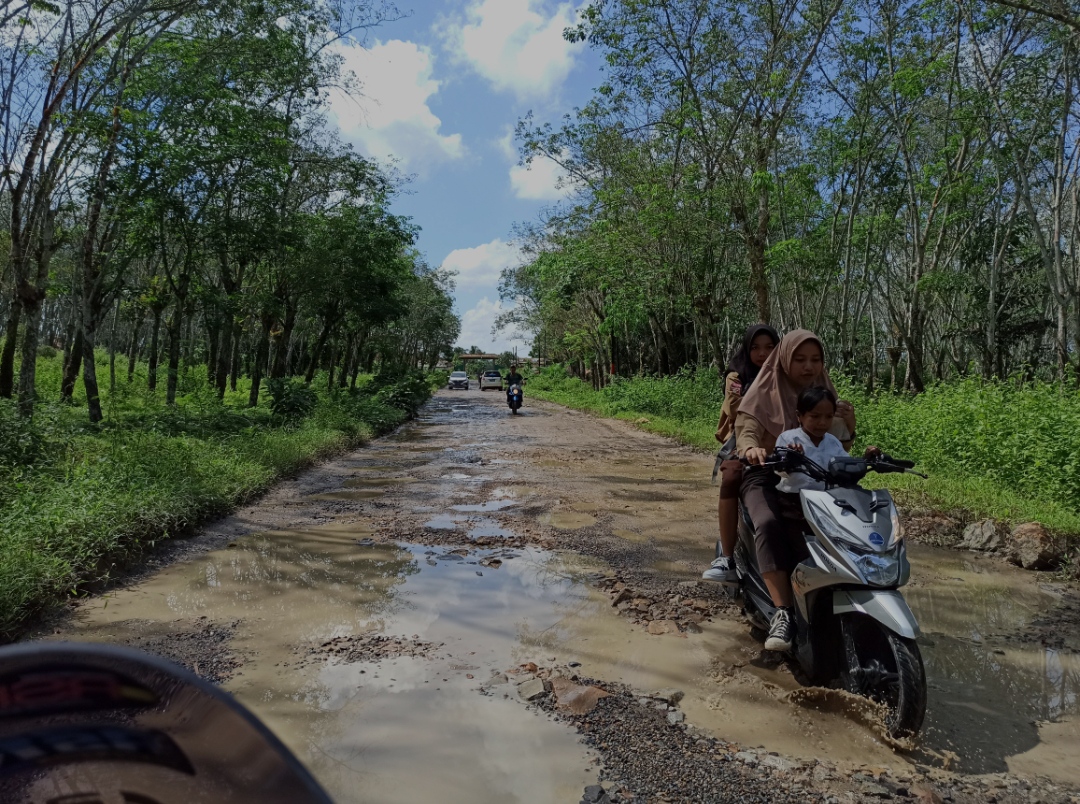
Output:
[[887, 668]]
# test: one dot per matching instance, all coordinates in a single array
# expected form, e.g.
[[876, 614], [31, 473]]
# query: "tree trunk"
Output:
[[234, 368], [260, 363], [224, 355], [316, 353], [284, 346], [28, 367], [175, 329], [213, 335], [7, 357], [90, 383], [133, 345], [155, 350], [112, 348], [72, 366]]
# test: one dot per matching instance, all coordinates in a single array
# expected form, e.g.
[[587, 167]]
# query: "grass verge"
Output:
[[993, 451], [77, 501]]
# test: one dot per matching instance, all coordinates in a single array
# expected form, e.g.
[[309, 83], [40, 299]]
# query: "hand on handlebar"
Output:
[[756, 456]]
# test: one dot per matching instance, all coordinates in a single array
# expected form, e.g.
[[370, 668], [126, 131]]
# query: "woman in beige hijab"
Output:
[[766, 412]]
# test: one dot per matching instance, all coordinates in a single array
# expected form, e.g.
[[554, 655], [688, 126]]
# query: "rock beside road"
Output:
[[368, 647], [1029, 545], [1032, 547], [985, 535]]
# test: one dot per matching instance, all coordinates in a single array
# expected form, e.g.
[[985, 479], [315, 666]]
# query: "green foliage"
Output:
[[685, 407], [1017, 438], [290, 398], [77, 501], [21, 440], [405, 391]]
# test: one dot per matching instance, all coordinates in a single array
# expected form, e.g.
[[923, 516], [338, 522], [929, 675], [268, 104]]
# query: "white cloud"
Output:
[[481, 265], [476, 327], [517, 47], [390, 117], [542, 180]]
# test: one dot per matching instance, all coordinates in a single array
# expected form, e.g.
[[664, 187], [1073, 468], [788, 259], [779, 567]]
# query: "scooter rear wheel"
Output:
[[887, 668]]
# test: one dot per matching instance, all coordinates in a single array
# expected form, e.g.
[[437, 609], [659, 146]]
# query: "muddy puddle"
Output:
[[994, 701], [403, 729], [567, 520], [415, 727]]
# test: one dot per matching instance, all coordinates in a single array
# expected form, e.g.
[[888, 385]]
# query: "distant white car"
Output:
[[458, 379], [491, 379]]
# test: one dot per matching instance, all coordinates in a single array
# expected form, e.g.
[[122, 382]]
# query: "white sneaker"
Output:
[[723, 570]]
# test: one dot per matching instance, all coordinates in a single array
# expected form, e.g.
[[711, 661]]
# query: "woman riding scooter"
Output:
[[767, 411]]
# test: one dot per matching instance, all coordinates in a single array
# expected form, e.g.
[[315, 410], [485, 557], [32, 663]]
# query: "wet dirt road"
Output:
[[368, 610]]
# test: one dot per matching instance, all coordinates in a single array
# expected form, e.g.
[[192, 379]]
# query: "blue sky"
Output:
[[441, 93]]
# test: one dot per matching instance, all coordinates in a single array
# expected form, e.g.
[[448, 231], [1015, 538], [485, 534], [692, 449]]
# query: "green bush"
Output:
[[22, 442], [291, 399], [1023, 438]]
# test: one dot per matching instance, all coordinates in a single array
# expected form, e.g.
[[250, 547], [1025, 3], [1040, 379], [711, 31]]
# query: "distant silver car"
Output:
[[491, 379], [458, 380]]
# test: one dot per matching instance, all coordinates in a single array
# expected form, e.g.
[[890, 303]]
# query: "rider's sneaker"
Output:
[[781, 630], [722, 570]]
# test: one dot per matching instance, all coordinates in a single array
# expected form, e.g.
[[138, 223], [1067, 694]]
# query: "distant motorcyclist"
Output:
[[514, 378]]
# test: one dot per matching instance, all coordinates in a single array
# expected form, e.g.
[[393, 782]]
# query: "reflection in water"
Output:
[[490, 505], [987, 694], [365, 729]]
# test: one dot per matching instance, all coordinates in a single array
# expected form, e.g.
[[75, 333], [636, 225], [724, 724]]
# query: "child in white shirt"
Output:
[[815, 410]]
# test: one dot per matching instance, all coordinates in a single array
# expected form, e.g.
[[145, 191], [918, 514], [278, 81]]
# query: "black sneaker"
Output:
[[781, 630]]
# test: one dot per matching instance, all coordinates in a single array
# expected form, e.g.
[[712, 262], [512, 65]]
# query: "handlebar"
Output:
[[840, 470]]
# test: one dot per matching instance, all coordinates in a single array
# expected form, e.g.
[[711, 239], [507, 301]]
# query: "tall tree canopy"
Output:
[[902, 176], [171, 191]]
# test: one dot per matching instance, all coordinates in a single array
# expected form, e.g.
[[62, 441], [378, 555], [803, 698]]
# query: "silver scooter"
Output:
[[853, 627]]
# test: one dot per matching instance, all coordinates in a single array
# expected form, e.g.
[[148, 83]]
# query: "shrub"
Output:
[[291, 399], [22, 442]]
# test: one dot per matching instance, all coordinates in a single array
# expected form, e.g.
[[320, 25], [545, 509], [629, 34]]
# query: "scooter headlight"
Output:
[[879, 569]]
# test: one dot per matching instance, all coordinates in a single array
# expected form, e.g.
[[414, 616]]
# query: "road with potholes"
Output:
[[490, 608]]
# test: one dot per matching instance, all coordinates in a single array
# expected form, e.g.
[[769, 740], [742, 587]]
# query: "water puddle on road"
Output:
[[443, 522], [489, 528], [567, 520], [377, 482], [998, 703], [403, 729], [490, 505]]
